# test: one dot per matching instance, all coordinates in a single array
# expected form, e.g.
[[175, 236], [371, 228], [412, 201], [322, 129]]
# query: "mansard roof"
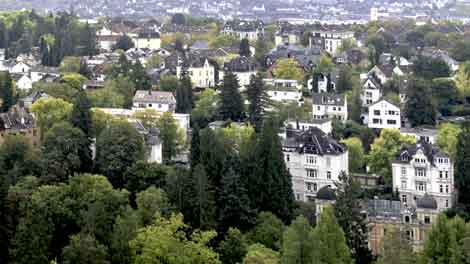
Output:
[[313, 141]]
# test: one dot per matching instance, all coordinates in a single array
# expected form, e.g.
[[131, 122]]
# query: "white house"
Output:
[[424, 170], [244, 68], [20, 68], [371, 91], [324, 125], [334, 40], [24, 83], [322, 84], [314, 160], [327, 106], [200, 70], [281, 90], [148, 40], [251, 30], [38, 72], [156, 100], [384, 114], [428, 135]]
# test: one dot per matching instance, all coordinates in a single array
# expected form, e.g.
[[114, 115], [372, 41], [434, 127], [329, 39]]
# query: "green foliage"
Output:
[[258, 101], [259, 254], [345, 82], [245, 48], [262, 49], [70, 64], [267, 231], [84, 248], [461, 50], [298, 243], [447, 138], [81, 119], [351, 220], [124, 43], [62, 152], [17, 159], [231, 102], [330, 242], [184, 96], [169, 83], [124, 230], [419, 107], [139, 77], [7, 95], [462, 80], [118, 147], [141, 175], [396, 249], [166, 242], [51, 111], [170, 135], [325, 65], [384, 150], [288, 69], [444, 93], [151, 202], [154, 62], [355, 153], [462, 166], [430, 68], [223, 41], [73, 80], [206, 108], [232, 249]]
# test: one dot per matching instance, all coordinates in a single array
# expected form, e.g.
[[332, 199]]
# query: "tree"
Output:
[[258, 101], [231, 102], [325, 65], [7, 95], [171, 136], [447, 138], [384, 150], [269, 184], [444, 93], [429, 68], [288, 69], [166, 242], [259, 254], [202, 207], [245, 48], [233, 248], [351, 220], [169, 83], [50, 111], [81, 119], [396, 249], [154, 62], [267, 231], [298, 243], [462, 80], [419, 108], [142, 174], [438, 243], [139, 77], [262, 48], [461, 51], [63, 146], [184, 95], [355, 104], [462, 165], [330, 241], [124, 43], [355, 153], [84, 248], [118, 147], [344, 82], [178, 19], [206, 108], [124, 230], [17, 159], [70, 64], [74, 80], [150, 202]]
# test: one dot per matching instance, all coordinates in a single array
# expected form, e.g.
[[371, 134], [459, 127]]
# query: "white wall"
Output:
[[384, 115]]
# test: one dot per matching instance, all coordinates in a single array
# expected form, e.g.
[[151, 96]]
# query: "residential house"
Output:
[[93, 84], [153, 144], [201, 70], [323, 80], [326, 106], [384, 114], [33, 97], [422, 171], [314, 160], [324, 125], [243, 67], [24, 83], [19, 67], [280, 90], [39, 72], [428, 135], [251, 30], [19, 121], [371, 90], [333, 40], [147, 39], [156, 100]]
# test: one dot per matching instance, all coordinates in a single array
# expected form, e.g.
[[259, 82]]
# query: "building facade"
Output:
[[384, 114], [329, 106]]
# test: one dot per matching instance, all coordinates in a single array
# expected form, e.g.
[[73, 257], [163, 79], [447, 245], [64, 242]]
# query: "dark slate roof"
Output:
[[374, 80], [431, 151], [384, 208], [17, 118], [426, 202], [326, 193], [328, 99], [386, 69], [34, 96], [154, 97], [240, 64], [45, 69], [313, 141]]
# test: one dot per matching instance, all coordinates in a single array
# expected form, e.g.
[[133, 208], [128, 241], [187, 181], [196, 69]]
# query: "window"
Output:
[[419, 172], [312, 173], [318, 108], [403, 198], [427, 219], [297, 197], [376, 112], [403, 185], [309, 186], [440, 174], [447, 203], [403, 171], [328, 162], [159, 106], [311, 159], [377, 121], [441, 189], [447, 174], [421, 186], [339, 108], [287, 157], [315, 187], [328, 175], [407, 219], [334, 108], [447, 188], [391, 112], [392, 122]]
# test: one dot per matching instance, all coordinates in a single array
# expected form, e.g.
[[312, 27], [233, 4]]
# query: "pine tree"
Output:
[[350, 219], [195, 151], [231, 102], [7, 96], [203, 202], [344, 80], [140, 78], [258, 101], [184, 95], [84, 70], [419, 108], [233, 248], [81, 118], [462, 166], [298, 243], [245, 48], [269, 183], [331, 244]]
